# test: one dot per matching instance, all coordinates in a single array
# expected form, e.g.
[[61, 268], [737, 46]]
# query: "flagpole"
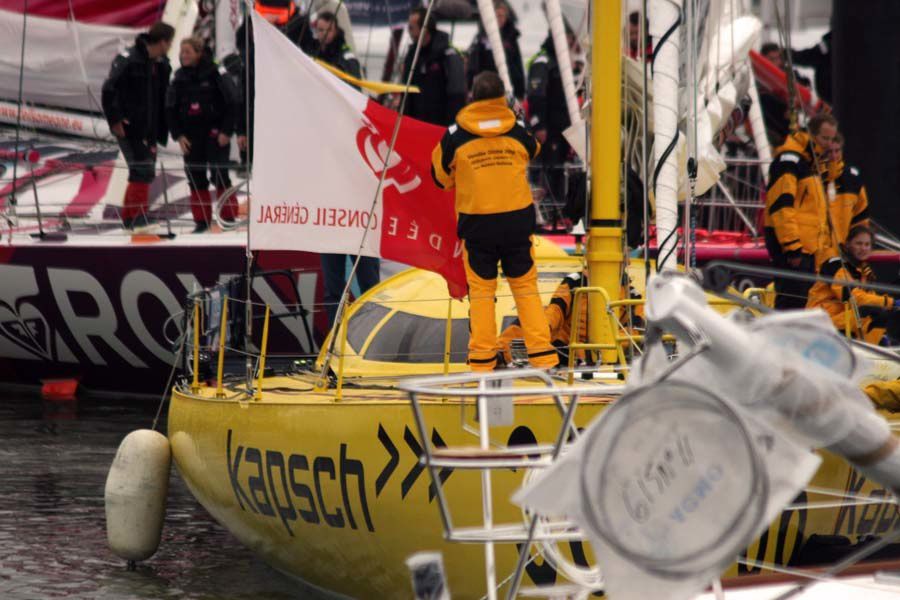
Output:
[[339, 315], [248, 252]]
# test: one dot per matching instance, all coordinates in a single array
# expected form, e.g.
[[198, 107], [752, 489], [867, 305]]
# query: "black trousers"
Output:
[[789, 293], [207, 155], [553, 159], [141, 159]]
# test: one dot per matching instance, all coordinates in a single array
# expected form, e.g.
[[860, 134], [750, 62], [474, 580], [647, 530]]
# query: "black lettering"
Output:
[[579, 558], [233, 467], [888, 519], [753, 569], [298, 462], [286, 512], [354, 467], [257, 483], [540, 574], [848, 512], [867, 524], [444, 473], [783, 530], [325, 464]]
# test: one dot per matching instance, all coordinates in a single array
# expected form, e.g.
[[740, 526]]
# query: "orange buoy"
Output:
[[56, 390]]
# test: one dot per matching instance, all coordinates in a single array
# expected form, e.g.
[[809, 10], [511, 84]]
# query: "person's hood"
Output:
[[487, 118]]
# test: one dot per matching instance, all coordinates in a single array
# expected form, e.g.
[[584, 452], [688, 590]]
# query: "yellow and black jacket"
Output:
[[849, 207], [832, 297], [796, 218], [485, 156]]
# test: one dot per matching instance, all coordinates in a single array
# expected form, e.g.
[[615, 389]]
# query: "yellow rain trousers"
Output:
[[480, 260]]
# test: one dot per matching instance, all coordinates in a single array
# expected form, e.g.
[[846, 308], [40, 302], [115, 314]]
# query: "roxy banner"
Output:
[[320, 149]]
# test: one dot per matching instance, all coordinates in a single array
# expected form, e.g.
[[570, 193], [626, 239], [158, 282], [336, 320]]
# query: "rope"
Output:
[[165, 394]]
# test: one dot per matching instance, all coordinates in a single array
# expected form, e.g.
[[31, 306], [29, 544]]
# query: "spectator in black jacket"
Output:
[[133, 101], [202, 107], [549, 115], [819, 58], [333, 47], [439, 73], [284, 15], [481, 57]]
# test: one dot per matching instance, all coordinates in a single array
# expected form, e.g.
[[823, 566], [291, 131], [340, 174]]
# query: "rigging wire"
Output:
[[248, 130], [76, 37], [12, 197]]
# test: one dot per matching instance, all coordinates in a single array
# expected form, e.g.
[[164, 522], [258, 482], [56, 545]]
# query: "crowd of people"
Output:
[[816, 217], [817, 222], [817, 209]]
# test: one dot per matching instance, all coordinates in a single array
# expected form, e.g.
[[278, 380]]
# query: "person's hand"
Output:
[[118, 129], [184, 144], [242, 142], [541, 135], [223, 139]]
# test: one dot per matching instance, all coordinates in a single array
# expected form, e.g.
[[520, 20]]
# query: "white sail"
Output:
[[67, 59]]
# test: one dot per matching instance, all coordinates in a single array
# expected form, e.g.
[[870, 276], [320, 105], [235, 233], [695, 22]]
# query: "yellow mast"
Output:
[[604, 248]]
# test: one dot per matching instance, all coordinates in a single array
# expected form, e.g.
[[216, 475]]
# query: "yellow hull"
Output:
[[332, 492]]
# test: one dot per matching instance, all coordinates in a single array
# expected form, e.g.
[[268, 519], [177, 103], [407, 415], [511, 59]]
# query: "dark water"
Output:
[[53, 466]]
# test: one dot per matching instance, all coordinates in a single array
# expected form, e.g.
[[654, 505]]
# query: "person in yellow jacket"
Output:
[[796, 219], [877, 312], [559, 318], [848, 202], [484, 155]]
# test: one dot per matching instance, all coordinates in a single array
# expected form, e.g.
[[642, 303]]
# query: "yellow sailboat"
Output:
[[329, 486]]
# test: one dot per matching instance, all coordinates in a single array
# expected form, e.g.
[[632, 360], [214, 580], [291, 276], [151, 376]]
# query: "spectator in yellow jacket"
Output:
[[848, 202], [796, 219], [877, 314], [484, 155]]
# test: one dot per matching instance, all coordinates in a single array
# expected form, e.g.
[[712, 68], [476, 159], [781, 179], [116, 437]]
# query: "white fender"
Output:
[[136, 489]]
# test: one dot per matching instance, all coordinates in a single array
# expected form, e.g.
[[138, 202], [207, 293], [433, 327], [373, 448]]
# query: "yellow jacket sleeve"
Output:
[[780, 199], [860, 210], [862, 296]]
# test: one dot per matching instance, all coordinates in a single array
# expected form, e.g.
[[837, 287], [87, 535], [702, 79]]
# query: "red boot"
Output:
[[201, 209], [134, 209], [229, 210]]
